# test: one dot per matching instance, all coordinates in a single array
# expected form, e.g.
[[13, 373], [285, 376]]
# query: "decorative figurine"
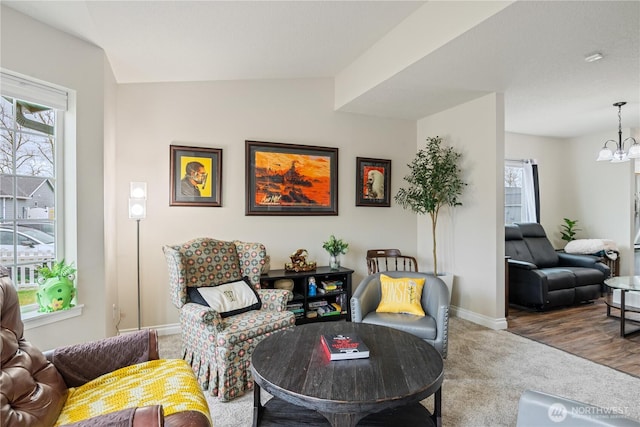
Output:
[[299, 262], [312, 286], [56, 290]]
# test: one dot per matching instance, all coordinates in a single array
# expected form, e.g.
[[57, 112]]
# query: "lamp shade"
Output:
[[138, 190], [634, 151], [137, 208], [605, 155]]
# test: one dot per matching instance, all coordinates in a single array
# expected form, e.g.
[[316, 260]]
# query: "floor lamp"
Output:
[[138, 211]]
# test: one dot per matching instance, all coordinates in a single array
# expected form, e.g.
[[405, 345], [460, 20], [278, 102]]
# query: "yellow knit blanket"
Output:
[[166, 382]]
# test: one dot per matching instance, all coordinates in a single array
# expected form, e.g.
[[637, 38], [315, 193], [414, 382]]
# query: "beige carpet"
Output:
[[485, 374]]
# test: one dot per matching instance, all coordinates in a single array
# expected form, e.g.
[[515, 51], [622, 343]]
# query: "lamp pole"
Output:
[[138, 267], [138, 211]]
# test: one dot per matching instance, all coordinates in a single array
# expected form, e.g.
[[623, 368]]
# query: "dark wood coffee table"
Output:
[[384, 389]]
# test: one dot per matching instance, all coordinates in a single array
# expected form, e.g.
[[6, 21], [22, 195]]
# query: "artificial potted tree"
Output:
[[434, 181]]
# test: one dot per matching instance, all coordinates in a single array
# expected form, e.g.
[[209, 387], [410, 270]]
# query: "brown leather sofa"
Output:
[[34, 386]]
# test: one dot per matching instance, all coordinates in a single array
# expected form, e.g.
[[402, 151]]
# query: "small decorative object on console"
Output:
[[312, 286], [56, 290], [343, 347], [335, 247], [299, 262]]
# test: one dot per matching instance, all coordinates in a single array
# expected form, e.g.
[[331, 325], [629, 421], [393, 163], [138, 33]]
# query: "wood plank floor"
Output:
[[583, 330]]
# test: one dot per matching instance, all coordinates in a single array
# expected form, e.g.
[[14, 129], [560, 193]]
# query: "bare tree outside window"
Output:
[[27, 192], [513, 177]]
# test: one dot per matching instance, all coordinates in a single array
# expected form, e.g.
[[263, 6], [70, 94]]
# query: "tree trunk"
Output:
[[434, 221]]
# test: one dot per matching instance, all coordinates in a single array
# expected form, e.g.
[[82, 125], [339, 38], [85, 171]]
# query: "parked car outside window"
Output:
[[29, 241]]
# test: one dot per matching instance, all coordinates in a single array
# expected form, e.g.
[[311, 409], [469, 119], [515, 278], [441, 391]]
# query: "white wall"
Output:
[[110, 197], [604, 195], [471, 238], [33, 49], [150, 117], [600, 195], [554, 166], [223, 115]]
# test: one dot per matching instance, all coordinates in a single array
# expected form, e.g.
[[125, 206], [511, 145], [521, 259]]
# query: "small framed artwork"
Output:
[[196, 176], [291, 179], [373, 182]]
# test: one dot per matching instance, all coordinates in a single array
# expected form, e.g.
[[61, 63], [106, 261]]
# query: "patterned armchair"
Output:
[[219, 348]]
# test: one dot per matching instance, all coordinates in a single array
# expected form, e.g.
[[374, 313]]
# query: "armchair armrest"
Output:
[[274, 299], [81, 363], [575, 260], [436, 304], [366, 298], [147, 416], [522, 264], [202, 314], [587, 261]]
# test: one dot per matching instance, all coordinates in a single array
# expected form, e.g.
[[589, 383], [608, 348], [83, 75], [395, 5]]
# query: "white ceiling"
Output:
[[532, 51]]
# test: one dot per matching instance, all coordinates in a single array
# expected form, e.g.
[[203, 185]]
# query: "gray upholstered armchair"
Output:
[[433, 327]]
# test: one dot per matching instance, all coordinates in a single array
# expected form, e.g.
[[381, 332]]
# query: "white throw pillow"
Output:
[[227, 299]]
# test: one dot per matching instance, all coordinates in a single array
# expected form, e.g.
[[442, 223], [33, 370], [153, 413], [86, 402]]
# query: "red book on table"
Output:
[[343, 347]]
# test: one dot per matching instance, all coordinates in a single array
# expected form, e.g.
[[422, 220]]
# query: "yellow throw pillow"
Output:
[[401, 295]]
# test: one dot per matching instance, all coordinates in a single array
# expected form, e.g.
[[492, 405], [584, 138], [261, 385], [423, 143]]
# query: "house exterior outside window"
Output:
[[521, 191], [31, 117], [513, 192]]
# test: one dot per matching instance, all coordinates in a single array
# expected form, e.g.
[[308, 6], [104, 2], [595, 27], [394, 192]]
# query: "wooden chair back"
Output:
[[389, 260]]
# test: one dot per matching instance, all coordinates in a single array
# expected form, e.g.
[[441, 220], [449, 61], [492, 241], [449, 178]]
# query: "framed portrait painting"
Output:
[[196, 176], [373, 182], [291, 179]]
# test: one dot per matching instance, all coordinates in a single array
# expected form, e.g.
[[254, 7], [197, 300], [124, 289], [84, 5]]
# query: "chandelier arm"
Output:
[[630, 138]]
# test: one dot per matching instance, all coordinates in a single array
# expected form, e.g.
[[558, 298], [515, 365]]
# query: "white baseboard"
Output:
[[480, 319], [489, 322]]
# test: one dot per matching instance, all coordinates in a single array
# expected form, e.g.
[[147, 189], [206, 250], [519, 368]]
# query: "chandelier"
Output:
[[606, 154]]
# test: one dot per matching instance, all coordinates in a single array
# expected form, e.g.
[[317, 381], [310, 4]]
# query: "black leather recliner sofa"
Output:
[[541, 277]]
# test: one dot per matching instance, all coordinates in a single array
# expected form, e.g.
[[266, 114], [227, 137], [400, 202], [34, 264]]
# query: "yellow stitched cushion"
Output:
[[166, 382], [401, 295]]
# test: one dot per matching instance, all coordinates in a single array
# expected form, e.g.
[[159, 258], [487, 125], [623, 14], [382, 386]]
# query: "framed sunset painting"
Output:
[[291, 179]]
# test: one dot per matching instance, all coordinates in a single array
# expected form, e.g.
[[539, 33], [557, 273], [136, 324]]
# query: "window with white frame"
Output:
[[31, 131], [521, 194]]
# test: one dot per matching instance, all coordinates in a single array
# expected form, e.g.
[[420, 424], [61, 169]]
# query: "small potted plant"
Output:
[[335, 247], [56, 290], [569, 229]]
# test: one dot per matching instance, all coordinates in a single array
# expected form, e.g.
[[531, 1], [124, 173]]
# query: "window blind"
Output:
[[32, 91]]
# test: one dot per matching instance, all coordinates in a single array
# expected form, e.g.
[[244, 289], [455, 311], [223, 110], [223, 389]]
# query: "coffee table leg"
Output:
[[342, 420], [257, 404], [437, 407], [622, 312]]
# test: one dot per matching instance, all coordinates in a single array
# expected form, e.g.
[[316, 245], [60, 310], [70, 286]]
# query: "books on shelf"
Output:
[[331, 285], [329, 310], [315, 304], [343, 347]]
